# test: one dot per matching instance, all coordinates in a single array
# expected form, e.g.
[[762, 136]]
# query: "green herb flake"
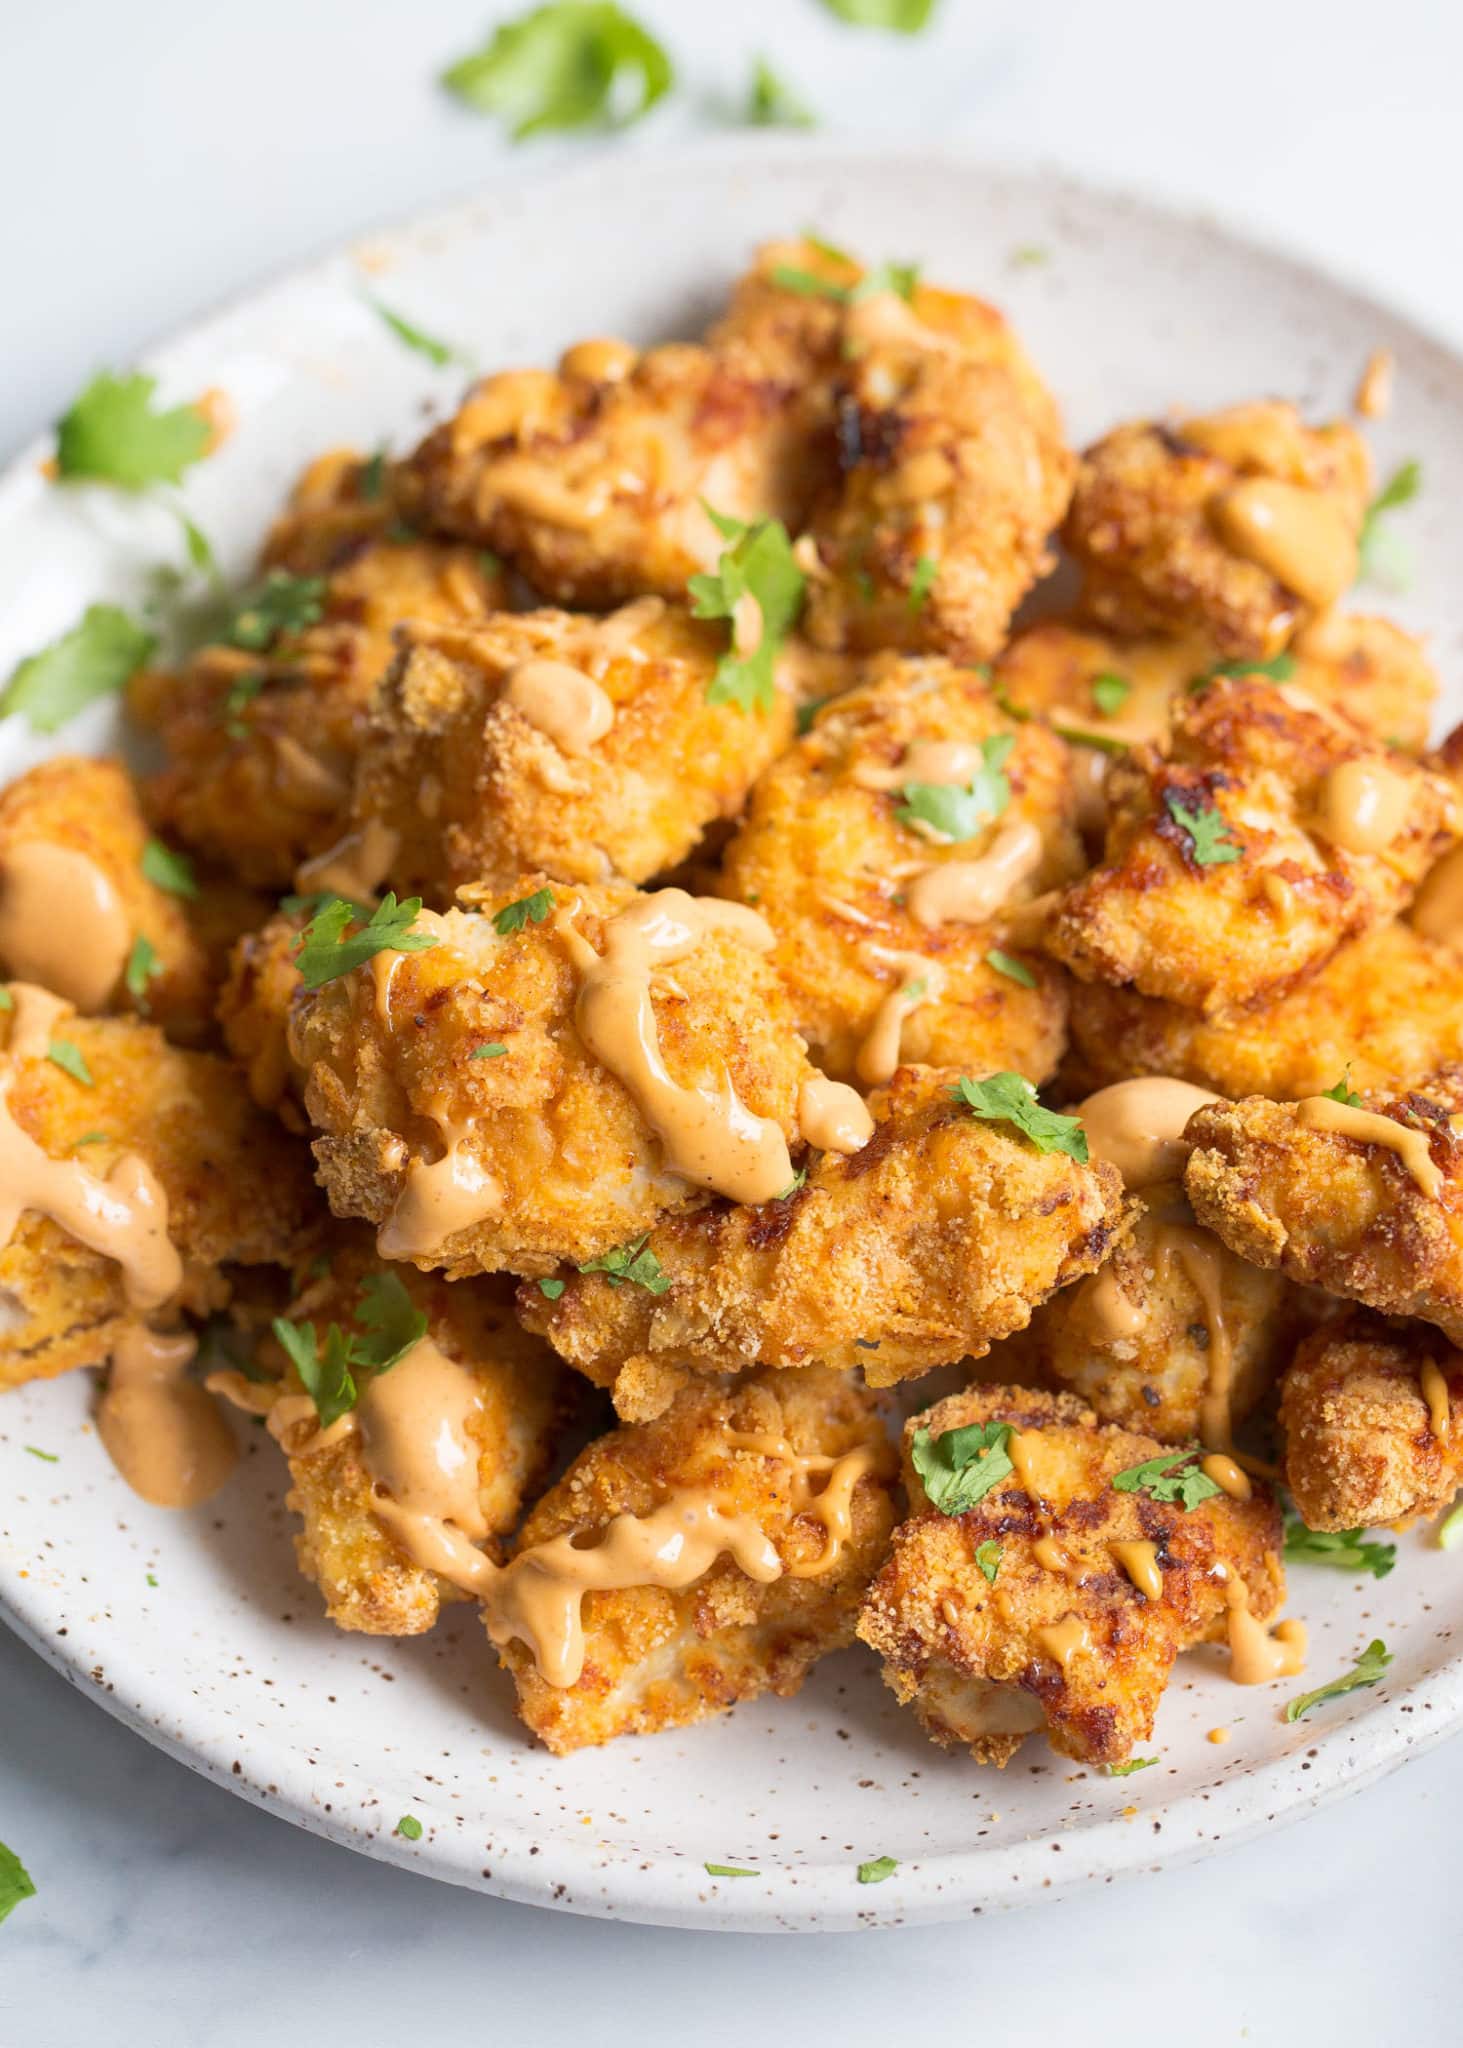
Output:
[[551, 1289], [758, 564], [392, 1326], [988, 1558], [877, 1869], [959, 1467], [142, 967], [413, 337], [1008, 1099], [1383, 557], [572, 64], [926, 569], [114, 434], [1367, 1670], [7, 1000], [1206, 830], [48, 1457], [1172, 1478], [902, 279], [198, 545], [15, 1882], [280, 603], [808, 712], [1343, 1091], [151, 1580], [956, 811], [168, 870], [371, 477], [1110, 693], [488, 1052], [514, 917], [1450, 1529], [772, 103], [97, 658], [392, 1321], [799, 1179], [632, 1262], [409, 1827], [89, 1138], [900, 17], [1029, 256], [68, 1057], [323, 950], [1011, 967], [239, 697], [1280, 668], [728, 1870], [1134, 1763], [1346, 1550]]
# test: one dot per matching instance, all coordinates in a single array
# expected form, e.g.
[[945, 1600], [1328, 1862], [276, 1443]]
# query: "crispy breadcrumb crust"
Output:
[[936, 1239], [254, 1015], [966, 1653], [825, 860], [657, 1658], [1337, 1212], [579, 1167], [239, 1191]]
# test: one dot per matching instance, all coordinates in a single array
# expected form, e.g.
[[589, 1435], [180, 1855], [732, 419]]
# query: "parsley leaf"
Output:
[[988, 1557], [95, 659], [487, 1052], [960, 1466], [1367, 1670], [1011, 967], [48, 1457], [322, 951], [68, 1057], [15, 1882], [728, 1870], [392, 1324], [1280, 668], [371, 477], [409, 1827], [1134, 1763], [7, 1000], [1008, 1099], [168, 870], [877, 1869], [281, 603], [240, 695], [900, 278], [1172, 1478], [926, 569], [439, 352], [633, 1262], [112, 434], [1209, 842], [142, 967], [1382, 557], [551, 1289], [392, 1321], [957, 811], [326, 1378], [527, 910], [1345, 1549], [565, 65], [758, 565], [902, 17], [1343, 1091], [772, 103], [1110, 693]]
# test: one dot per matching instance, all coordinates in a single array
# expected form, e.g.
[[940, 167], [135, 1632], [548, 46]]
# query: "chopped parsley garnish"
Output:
[[1383, 558], [1450, 1529], [1110, 693], [488, 1052], [392, 1325], [877, 1869], [808, 712], [323, 950], [1280, 668], [413, 337], [113, 434], [1347, 1550], [142, 967], [198, 545], [772, 103], [758, 564], [409, 1827], [1008, 1099], [89, 1138], [799, 1179], [49, 1457], [1134, 1763], [7, 1000], [527, 910], [1343, 1091], [168, 870], [960, 1466], [926, 569], [1172, 1478], [371, 477], [551, 1289], [68, 1057], [281, 603], [151, 1580], [903, 17], [240, 695], [1209, 842], [1011, 967], [1367, 1670], [958, 811], [15, 1882], [900, 278], [95, 659], [572, 64], [1029, 256], [632, 1262], [728, 1870], [988, 1557]]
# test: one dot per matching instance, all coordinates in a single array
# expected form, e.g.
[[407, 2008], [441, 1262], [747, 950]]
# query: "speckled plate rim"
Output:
[[1371, 1736]]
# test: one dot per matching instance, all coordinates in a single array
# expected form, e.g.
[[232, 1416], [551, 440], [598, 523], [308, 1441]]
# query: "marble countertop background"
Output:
[[161, 156]]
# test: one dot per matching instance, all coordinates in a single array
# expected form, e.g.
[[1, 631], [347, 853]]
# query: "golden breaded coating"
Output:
[[254, 1015], [565, 1165], [1364, 1200], [1237, 525], [659, 1657], [1241, 855], [939, 1237], [262, 738], [1372, 1416], [1379, 675], [368, 1580], [238, 1190], [465, 715], [593, 479], [1070, 1643], [1387, 1006], [826, 858], [1174, 1337]]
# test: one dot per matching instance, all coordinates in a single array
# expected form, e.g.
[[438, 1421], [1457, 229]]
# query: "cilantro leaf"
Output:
[[142, 967], [1134, 1763], [1208, 834], [1280, 668], [926, 569], [1382, 557], [1347, 1550], [326, 1377], [527, 910], [15, 1882], [1367, 1670], [1110, 693], [168, 870], [98, 657], [877, 1869], [551, 1289], [1008, 1099], [392, 1321], [487, 1052], [957, 811], [959, 1467], [409, 1827], [281, 603], [406, 331], [565, 65], [728, 1870], [901, 17], [112, 434], [633, 1262], [988, 1557], [772, 103], [322, 951], [1172, 1478], [69, 1058], [759, 566], [1014, 969], [1343, 1091]]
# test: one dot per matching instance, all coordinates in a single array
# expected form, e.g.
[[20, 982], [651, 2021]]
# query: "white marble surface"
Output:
[[160, 156]]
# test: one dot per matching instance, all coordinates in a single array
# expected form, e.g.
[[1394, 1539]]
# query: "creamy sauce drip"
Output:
[[1437, 909], [1257, 1653], [1139, 1559], [34, 1015], [417, 1443], [971, 891], [832, 1116], [1439, 1407], [1320, 1113], [1106, 1312], [62, 923], [920, 981], [355, 866], [1373, 398], [1138, 1127], [1227, 1475], [163, 1432], [1300, 536], [1265, 434], [708, 1135], [1364, 805], [948, 762], [1047, 1472], [832, 1504], [1063, 1640], [438, 1198], [563, 702]]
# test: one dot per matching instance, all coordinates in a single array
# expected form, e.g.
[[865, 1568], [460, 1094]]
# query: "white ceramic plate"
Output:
[[225, 1660]]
